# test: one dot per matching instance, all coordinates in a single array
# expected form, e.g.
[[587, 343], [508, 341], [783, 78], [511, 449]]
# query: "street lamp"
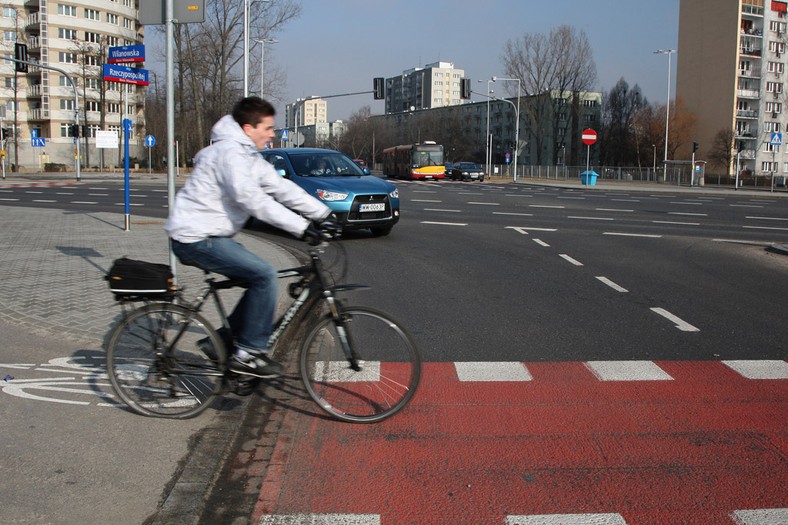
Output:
[[667, 111], [516, 109], [487, 146], [263, 42], [247, 3], [517, 125]]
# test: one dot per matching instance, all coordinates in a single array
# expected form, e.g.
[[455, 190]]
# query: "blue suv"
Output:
[[359, 200]]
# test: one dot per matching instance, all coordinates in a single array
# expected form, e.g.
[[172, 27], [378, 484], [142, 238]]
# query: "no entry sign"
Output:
[[588, 137]]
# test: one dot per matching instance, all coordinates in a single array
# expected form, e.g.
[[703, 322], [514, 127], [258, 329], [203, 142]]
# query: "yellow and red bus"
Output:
[[423, 161]]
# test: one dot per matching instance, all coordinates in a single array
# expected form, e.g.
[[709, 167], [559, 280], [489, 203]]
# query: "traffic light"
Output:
[[73, 131], [378, 88], [694, 147], [465, 88], [20, 53], [6, 132]]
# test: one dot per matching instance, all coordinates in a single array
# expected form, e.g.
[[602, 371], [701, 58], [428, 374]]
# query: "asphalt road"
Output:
[[513, 271]]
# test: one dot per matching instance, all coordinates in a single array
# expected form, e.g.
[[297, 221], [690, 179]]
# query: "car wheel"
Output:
[[382, 231]]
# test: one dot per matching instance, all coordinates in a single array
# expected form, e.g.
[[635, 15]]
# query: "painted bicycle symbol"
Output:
[[68, 380]]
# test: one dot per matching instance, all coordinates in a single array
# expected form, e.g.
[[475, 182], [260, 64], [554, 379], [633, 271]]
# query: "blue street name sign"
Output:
[[126, 75], [122, 54]]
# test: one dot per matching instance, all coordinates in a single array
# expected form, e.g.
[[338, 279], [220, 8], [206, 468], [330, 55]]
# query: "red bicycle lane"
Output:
[[704, 446]]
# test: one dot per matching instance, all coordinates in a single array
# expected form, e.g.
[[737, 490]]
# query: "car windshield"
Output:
[[324, 165], [468, 166]]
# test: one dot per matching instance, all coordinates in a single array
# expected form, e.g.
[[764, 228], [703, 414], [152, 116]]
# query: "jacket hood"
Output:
[[228, 129]]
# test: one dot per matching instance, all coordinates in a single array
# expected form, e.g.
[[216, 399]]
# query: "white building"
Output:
[[73, 36], [434, 86]]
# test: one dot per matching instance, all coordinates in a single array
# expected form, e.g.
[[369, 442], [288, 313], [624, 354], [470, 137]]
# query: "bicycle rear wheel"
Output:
[[389, 366], [163, 364]]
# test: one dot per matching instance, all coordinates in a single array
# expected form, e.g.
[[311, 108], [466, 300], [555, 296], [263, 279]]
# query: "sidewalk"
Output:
[[53, 289]]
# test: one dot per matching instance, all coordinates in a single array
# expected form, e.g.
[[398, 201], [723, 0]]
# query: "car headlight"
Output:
[[328, 195], [394, 194]]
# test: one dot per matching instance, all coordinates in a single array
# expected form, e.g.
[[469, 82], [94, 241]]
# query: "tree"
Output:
[[208, 61], [651, 120], [560, 65], [619, 145], [721, 152]]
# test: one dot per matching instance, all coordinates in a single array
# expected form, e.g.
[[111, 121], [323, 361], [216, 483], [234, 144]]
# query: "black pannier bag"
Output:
[[129, 278]]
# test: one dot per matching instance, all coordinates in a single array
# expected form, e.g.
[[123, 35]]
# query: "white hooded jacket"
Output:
[[231, 182]]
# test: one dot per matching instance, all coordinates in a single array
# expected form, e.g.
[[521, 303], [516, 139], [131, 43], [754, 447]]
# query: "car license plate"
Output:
[[375, 206]]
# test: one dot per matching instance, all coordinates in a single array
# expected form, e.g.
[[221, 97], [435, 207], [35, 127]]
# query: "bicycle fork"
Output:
[[342, 332]]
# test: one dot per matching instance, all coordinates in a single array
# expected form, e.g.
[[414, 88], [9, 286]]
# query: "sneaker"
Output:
[[258, 366]]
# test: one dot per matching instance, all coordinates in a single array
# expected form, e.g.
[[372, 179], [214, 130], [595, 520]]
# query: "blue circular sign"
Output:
[[150, 141]]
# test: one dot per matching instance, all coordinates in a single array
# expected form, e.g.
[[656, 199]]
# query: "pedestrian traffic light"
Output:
[[378, 88], [694, 147], [73, 131], [465, 88], [20, 53]]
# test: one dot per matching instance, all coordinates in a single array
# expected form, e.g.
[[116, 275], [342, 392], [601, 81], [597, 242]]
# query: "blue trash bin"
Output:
[[588, 177]]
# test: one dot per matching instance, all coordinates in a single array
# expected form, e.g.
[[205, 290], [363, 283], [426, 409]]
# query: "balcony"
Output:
[[746, 113], [750, 51], [748, 73], [748, 93], [752, 10], [38, 114], [33, 22], [35, 91]]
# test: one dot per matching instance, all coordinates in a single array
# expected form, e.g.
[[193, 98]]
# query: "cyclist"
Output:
[[229, 184]]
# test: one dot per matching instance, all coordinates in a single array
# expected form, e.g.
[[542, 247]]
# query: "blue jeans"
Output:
[[252, 319]]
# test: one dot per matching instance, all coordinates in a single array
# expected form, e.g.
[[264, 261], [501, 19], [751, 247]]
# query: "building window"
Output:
[[112, 19], [64, 129], [67, 58], [589, 103], [92, 14], [94, 38], [9, 82], [113, 107], [67, 10], [67, 34], [774, 107], [112, 41], [91, 105], [9, 36], [589, 118], [92, 60], [9, 12], [128, 23], [67, 103]]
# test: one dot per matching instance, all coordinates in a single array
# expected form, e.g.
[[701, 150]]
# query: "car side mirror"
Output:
[[365, 170], [282, 173]]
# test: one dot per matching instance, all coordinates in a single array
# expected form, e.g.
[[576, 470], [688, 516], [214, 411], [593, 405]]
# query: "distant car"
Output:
[[466, 171], [359, 200], [362, 164]]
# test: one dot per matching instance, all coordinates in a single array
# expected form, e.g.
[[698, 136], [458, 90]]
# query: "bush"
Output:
[[54, 166]]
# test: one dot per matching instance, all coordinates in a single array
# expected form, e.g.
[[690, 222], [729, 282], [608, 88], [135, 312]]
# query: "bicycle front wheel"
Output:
[[388, 362], [163, 360]]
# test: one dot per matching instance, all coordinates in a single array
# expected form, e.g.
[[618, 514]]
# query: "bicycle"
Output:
[[164, 359]]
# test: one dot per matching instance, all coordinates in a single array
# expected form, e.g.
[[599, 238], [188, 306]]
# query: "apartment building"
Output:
[[72, 36], [731, 74], [433, 86], [306, 112]]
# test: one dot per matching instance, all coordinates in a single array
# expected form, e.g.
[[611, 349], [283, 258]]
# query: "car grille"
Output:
[[356, 216]]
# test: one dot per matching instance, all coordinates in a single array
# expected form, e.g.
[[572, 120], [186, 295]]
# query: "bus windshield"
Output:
[[427, 158]]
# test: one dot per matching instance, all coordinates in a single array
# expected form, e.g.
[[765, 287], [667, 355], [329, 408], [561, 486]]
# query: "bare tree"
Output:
[[209, 58], [621, 105], [559, 66], [721, 151]]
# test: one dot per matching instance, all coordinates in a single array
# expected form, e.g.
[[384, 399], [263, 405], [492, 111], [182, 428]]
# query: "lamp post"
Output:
[[247, 3], [654, 146], [667, 111], [517, 124], [487, 148], [516, 109], [263, 42]]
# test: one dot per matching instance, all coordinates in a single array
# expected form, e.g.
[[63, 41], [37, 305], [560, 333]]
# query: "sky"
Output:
[[339, 46]]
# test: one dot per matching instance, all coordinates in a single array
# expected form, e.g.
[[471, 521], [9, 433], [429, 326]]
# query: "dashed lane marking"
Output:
[[566, 519], [612, 284], [570, 259], [627, 371], [766, 369], [492, 371], [436, 223]]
